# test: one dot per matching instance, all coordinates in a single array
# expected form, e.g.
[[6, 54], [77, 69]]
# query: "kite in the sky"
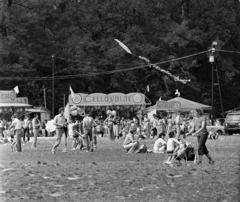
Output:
[[176, 78]]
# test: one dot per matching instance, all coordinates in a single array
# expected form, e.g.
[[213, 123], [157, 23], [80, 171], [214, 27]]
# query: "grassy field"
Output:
[[112, 175]]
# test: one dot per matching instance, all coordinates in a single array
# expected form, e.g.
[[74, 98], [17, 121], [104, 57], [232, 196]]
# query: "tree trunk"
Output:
[[3, 8]]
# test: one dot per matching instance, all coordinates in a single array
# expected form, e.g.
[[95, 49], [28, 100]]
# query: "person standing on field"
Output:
[[26, 128], [199, 129], [36, 124], [1, 127], [59, 122], [87, 127], [16, 123]]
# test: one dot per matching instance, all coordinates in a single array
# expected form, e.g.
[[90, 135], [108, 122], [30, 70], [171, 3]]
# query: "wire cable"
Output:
[[228, 51], [97, 74]]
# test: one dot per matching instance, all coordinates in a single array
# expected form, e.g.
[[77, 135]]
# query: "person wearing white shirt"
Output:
[[178, 122], [171, 146], [17, 125], [60, 123], [160, 144]]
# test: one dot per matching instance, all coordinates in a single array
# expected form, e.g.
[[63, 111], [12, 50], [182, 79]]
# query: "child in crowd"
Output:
[[13, 143], [172, 144], [160, 144], [140, 135], [130, 143], [212, 134], [73, 133]]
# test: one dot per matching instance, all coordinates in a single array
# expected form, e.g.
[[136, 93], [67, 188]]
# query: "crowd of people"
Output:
[[84, 133]]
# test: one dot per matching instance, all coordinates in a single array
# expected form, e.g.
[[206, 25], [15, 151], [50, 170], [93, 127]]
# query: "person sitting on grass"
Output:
[[130, 144], [160, 144], [213, 135], [172, 144], [140, 135]]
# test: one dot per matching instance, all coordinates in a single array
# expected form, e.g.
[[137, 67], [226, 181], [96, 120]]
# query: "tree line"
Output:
[[80, 34]]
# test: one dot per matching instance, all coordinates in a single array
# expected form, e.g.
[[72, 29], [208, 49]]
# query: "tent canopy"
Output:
[[14, 105], [38, 110], [188, 104], [185, 105]]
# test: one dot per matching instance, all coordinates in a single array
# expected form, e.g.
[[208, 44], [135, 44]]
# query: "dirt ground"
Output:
[[112, 175]]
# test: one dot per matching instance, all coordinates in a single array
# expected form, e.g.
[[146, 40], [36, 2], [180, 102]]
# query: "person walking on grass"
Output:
[[88, 124], [199, 130], [36, 124], [17, 125], [59, 122]]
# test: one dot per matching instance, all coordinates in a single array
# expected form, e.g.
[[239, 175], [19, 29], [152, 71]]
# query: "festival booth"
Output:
[[175, 105], [10, 104], [43, 113], [126, 105]]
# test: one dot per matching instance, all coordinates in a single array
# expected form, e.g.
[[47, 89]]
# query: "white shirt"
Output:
[[1, 124], [178, 120], [26, 123], [171, 144], [158, 144], [17, 123]]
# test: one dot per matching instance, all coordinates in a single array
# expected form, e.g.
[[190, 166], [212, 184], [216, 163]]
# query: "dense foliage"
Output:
[[80, 34]]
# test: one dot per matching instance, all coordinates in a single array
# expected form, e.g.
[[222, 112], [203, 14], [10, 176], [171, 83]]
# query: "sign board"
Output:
[[100, 99], [164, 105], [7, 96], [21, 100]]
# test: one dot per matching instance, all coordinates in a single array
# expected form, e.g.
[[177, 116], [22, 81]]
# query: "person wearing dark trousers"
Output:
[[199, 129], [44, 131], [26, 126]]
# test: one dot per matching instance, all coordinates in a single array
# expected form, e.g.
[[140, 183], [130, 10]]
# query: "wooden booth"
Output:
[[10, 104], [126, 105]]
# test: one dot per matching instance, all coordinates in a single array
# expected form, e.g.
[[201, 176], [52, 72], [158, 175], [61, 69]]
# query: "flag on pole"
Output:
[[160, 99], [148, 88], [177, 93], [71, 90], [16, 89]]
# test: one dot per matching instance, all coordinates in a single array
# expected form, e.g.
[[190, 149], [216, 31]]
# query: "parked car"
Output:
[[232, 122]]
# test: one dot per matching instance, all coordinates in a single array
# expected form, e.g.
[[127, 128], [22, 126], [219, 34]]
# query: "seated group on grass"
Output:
[[172, 147]]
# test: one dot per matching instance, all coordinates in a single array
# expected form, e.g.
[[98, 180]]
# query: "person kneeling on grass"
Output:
[[172, 145], [160, 144], [130, 144], [213, 135]]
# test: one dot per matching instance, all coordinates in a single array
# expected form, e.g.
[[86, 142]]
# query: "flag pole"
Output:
[[64, 101], [53, 67], [44, 97]]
